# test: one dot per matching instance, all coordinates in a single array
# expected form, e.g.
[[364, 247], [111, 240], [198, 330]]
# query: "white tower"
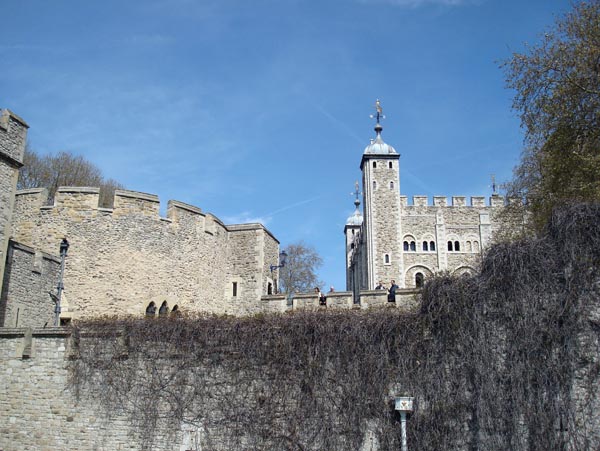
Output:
[[380, 168]]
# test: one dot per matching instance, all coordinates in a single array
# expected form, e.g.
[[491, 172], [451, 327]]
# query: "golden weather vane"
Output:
[[379, 112]]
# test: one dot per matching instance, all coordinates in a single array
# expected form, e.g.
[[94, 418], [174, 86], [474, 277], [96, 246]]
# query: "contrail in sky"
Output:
[[338, 123]]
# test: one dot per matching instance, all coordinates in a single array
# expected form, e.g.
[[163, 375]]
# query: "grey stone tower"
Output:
[[382, 238], [13, 132], [352, 231]]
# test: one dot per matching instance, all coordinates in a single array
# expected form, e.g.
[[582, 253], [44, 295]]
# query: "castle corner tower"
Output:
[[380, 166]]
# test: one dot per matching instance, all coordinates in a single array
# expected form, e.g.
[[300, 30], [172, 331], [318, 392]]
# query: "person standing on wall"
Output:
[[320, 296], [392, 291]]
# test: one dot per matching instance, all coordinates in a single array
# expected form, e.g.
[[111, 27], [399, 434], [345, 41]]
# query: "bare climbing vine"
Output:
[[507, 359]]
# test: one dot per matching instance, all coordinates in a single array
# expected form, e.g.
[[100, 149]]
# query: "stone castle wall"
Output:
[[38, 411], [472, 226], [13, 133], [123, 258], [28, 278]]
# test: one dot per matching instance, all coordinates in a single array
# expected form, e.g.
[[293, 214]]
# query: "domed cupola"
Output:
[[377, 145], [356, 219]]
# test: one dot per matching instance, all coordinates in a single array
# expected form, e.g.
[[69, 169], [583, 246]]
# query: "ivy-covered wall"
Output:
[[507, 359]]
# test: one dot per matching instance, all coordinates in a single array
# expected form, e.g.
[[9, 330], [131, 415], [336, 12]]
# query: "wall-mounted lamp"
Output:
[[282, 258], [64, 247]]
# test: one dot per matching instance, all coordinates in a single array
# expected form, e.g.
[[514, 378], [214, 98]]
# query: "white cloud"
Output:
[[246, 218]]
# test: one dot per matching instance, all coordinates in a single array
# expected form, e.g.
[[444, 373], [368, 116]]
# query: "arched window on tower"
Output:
[[151, 309], [432, 245], [374, 164], [469, 247], [164, 309], [450, 246], [413, 246], [406, 245], [390, 165], [269, 288], [419, 280], [425, 246], [476, 246], [456, 246]]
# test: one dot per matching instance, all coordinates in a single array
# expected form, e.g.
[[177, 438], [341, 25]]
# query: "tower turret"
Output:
[[13, 134], [352, 231], [380, 168]]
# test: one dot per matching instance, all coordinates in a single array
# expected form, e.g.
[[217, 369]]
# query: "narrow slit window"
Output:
[[386, 259], [374, 164], [374, 184], [390, 165], [234, 288], [391, 185]]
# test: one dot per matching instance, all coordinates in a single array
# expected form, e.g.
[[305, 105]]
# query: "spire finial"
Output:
[[378, 116], [494, 184], [356, 195]]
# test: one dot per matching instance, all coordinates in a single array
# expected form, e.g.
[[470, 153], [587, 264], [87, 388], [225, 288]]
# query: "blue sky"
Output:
[[258, 110]]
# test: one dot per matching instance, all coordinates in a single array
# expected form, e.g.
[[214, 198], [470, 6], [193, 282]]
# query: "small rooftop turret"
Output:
[[356, 219]]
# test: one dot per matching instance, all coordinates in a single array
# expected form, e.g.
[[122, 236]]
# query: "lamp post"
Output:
[[404, 404], [282, 257], [64, 247]]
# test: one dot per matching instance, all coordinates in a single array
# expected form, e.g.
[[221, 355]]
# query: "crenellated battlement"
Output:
[[134, 202], [456, 201], [78, 201], [13, 134]]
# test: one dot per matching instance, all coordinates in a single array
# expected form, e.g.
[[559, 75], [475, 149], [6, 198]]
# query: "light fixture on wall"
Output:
[[64, 247], [282, 258]]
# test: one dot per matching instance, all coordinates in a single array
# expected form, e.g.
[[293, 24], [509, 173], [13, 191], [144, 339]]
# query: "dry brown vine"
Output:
[[494, 362]]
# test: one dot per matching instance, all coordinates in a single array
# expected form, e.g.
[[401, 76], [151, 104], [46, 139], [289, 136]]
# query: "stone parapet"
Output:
[[276, 303], [305, 301], [132, 202], [457, 201], [339, 300], [373, 298]]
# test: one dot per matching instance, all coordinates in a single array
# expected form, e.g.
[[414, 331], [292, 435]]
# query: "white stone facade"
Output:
[[409, 243]]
